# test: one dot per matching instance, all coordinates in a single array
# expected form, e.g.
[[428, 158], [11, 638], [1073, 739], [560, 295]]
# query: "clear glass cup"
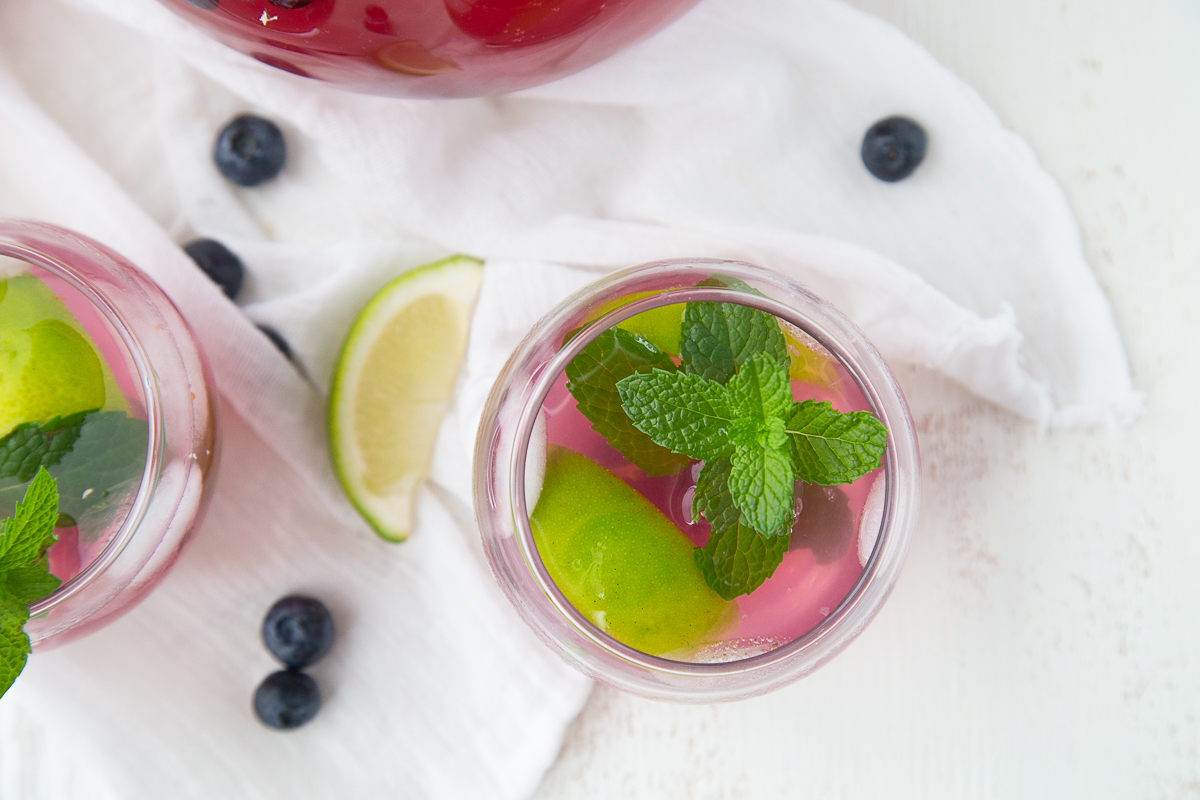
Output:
[[430, 48], [513, 420], [118, 554]]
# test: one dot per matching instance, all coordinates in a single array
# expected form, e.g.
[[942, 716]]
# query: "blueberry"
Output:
[[298, 630], [290, 4], [286, 699], [276, 339], [893, 148], [250, 150], [218, 263]]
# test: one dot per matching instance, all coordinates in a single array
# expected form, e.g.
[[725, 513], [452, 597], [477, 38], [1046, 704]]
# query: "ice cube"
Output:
[[872, 518]]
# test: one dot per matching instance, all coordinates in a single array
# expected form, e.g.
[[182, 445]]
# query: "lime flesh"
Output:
[[393, 384], [48, 367], [619, 561]]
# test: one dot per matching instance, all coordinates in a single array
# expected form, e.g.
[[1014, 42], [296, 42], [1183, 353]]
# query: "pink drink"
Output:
[[103, 387], [604, 561], [79, 545], [823, 562], [430, 48]]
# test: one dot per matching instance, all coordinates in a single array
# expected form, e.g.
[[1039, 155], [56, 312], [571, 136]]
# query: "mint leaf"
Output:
[[592, 380], [737, 559], [763, 488], [761, 480], [761, 390], [24, 570], [14, 644], [32, 445], [718, 337], [829, 447], [685, 413], [110, 451], [30, 583], [26, 536]]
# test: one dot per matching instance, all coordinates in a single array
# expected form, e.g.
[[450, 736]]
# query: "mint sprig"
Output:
[[730, 406], [592, 380], [24, 570]]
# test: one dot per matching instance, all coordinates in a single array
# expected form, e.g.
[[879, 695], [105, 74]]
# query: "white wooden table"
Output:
[[1044, 638]]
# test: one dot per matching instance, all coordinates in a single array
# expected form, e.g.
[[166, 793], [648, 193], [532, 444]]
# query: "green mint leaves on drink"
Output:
[[31, 445], [89, 454], [718, 338], [737, 559], [592, 378], [728, 404], [24, 570], [829, 447]]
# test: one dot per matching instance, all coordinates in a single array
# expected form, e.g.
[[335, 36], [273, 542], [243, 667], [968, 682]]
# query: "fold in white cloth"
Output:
[[733, 133]]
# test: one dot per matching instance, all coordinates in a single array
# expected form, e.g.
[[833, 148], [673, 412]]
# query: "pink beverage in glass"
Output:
[[430, 48], [102, 385], [830, 539], [600, 552]]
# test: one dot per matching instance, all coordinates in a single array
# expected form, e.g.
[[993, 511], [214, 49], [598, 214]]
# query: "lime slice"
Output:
[[620, 561], [392, 384], [810, 362], [661, 326], [48, 366]]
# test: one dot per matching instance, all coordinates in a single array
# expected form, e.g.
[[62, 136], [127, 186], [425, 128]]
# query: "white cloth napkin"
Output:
[[733, 133]]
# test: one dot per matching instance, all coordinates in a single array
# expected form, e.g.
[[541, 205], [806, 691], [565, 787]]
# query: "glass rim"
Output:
[[150, 394], [549, 373]]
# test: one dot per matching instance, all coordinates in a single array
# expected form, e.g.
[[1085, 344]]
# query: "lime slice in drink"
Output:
[[810, 362], [392, 385], [661, 326], [48, 366], [620, 562]]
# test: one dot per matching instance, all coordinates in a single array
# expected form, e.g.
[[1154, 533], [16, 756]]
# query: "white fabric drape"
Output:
[[733, 133]]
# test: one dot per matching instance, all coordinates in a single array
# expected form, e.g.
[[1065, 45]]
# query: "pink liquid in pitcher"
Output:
[[430, 48]]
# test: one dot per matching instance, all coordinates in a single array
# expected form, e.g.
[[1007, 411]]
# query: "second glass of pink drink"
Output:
[[595, 532], [102, 384]]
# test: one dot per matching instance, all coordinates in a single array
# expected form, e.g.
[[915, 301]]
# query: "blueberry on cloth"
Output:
[[277, 340], [218, 263], [250, 150], [286, 699], [298, 630], [893, 148]]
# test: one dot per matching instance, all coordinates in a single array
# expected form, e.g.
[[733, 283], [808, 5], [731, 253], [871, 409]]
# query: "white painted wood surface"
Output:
[[1044, 639]]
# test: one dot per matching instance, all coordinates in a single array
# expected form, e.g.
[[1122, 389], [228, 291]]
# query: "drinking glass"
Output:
[[793, 630], [122, 547]]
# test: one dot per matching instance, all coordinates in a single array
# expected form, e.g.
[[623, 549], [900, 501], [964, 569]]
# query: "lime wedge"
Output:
[[661, 326], [48, 366], [620, 561], [392, 385]]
